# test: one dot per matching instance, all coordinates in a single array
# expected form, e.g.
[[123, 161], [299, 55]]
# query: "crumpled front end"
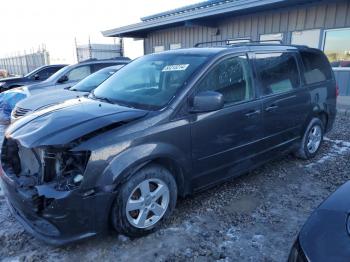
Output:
[[43, 188]]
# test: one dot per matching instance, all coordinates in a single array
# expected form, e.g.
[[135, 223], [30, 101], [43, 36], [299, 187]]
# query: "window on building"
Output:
[[337, 47], [309, 38], [272, 37], [316, 67], [278, 72], [238, 41], [159, 48], [175, 46], [231, 78]]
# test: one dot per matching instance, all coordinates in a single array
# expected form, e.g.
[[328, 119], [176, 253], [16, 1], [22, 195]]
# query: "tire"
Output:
[[146, 209], [309, 149]]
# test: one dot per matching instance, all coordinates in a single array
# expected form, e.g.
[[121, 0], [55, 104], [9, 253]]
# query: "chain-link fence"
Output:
[[24, 63]]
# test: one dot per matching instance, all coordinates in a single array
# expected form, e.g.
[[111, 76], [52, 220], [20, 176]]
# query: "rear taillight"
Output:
[[337, 90]]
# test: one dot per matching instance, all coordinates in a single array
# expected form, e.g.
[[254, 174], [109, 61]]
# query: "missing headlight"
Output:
[[66, 168]]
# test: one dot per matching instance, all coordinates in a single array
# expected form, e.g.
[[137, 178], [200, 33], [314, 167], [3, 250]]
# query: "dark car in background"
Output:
[[326, 234], [82, 88], [165, 125], [38, 75]]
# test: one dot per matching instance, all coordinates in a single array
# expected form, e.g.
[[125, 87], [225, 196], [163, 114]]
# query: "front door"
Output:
[[228, 137]]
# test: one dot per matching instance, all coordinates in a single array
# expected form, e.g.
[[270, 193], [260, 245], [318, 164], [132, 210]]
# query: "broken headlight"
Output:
[[66, 168]]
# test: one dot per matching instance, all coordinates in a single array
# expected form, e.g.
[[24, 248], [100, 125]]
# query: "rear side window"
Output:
[[317, 68], [278, 72]]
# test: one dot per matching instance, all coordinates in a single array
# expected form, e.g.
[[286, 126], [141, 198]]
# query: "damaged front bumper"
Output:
[[52, 210], [59, 220]]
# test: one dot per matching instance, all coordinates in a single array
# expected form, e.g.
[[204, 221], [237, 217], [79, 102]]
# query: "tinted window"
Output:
[[100, 66], [150, 81], [46, 73], [231, 78], [278, 72], [79, 73], [317, 68]]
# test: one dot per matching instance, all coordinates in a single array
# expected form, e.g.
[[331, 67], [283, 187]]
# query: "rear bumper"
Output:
[[67, 218]]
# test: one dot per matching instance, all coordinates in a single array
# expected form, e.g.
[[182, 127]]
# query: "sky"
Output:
[[27, 25]]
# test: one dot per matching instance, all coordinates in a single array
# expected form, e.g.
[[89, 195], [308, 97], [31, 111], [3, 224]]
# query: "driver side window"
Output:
[[79, 73], [232, 78]]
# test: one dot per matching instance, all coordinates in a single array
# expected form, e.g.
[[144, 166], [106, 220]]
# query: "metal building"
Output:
[[323, 24]]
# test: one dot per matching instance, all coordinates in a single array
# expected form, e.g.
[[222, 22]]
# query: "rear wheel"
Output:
[[147, 198], [312, 140]]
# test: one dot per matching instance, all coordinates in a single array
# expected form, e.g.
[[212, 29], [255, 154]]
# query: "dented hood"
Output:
[[68, 121]]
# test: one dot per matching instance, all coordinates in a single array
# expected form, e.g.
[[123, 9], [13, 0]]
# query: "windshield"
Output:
[[151, 81], [91, 82]]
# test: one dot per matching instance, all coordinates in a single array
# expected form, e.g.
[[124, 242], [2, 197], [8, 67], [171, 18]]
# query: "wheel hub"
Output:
[[147, 203], [314, 139]]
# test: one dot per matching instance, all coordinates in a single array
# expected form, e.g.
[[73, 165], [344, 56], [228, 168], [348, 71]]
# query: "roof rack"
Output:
[[231, 42]]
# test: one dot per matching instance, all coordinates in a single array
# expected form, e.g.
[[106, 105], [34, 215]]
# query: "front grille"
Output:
[[19, 112]]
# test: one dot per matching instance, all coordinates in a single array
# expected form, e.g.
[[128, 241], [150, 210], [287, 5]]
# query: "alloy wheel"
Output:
[[147, 203], [314, 139]]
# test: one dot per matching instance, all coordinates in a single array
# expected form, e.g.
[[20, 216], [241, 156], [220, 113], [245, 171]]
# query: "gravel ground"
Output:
[[253, 218]]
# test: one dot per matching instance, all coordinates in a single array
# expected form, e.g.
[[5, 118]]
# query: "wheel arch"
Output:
[[134, 159], [321, 114]]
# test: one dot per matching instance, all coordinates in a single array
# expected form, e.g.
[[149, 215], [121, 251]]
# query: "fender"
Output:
[[134, 158]]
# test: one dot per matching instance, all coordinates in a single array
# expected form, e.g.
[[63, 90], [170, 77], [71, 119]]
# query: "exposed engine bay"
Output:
[[58, 167]]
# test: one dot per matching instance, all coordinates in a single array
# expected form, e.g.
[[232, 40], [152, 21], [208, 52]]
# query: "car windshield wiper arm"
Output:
[[104, 99]]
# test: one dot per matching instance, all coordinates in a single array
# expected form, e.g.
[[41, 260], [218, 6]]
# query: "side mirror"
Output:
[[63, 79], [207, 101], [36, 77]]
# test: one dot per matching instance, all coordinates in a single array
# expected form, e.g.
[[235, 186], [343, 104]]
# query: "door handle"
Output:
[[271, 108], [252, 113]]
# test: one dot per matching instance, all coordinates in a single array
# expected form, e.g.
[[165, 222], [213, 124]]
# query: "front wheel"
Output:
[[148, 197], [312, 139]]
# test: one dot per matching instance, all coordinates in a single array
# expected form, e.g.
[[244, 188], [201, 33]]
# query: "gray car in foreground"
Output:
[[45, 99], [165, 125]]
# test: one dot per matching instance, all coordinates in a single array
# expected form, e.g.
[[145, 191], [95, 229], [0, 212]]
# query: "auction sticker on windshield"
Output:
[[170, 68]]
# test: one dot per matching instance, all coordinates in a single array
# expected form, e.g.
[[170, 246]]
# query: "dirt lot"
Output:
[[253, 218]]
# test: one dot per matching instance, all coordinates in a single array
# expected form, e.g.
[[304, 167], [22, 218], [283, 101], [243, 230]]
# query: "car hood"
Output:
[[64, 123], [33, 87], [36, 102], [325, 235]]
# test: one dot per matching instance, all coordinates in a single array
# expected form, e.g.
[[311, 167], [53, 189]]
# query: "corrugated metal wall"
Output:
[[322, 15]]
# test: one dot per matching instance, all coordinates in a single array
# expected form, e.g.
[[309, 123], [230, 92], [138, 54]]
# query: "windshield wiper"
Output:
[[103, 99]]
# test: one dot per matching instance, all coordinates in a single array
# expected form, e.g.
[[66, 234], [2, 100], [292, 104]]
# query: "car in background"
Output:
[[62, 79], [82, 88], [343, 63], [38, 75], [326, 234]]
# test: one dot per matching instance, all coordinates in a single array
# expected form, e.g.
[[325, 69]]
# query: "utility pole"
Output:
[[90, 49], [76, 49]]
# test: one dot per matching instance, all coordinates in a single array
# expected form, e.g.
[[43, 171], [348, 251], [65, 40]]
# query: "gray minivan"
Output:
[[165, 125]]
